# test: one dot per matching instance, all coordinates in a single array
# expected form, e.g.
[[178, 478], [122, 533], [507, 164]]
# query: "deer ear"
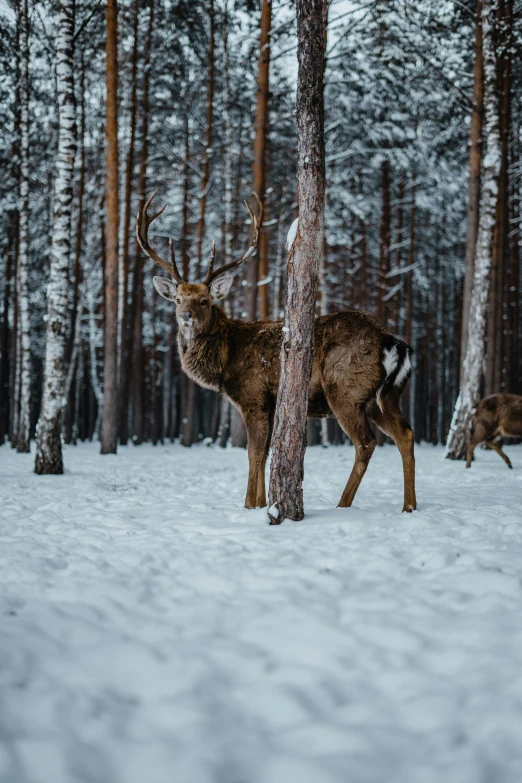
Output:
[[165, 288], [220, 287]]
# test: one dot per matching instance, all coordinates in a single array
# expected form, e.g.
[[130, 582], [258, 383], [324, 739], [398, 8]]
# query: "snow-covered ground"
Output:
[[154, 631]]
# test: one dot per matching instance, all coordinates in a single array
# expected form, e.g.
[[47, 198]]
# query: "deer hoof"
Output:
[[408, 508]]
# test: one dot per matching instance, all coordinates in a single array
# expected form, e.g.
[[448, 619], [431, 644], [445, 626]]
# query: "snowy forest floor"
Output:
[[154, 631]]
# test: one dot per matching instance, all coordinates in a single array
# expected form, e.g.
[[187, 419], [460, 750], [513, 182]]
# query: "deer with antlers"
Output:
[[360, 367]]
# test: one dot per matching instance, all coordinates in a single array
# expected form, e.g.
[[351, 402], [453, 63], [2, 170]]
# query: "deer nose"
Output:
[[186, 316]]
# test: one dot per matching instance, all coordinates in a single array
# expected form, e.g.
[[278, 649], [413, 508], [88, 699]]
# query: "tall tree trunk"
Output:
[[49, 441], [23, 419], [409, 402], [185, 229], [289, 438], [495, 368], [385, 242], [126, 345], [5, 334], [475, 154], [255, 271], [228, 142], [470, 388], [205, 178], [138, 366], [110, 372], [75, 321]]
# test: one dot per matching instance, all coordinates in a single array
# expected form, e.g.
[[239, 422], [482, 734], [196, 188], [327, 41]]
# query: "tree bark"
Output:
[[109, 430], [495, 366], [475, 154], [289, 438], [138, 365], [472, 372], [126, 348], [75, 319], [205, 179], [49, 441], [385, 242], [23, 418], [254, 271]]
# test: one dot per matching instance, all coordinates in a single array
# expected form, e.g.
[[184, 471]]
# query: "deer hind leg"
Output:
[[496, 447], [357, 427], [479, 436], [392, 423], [258, 434]]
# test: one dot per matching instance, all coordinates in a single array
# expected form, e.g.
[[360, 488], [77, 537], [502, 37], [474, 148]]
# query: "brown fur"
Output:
[[499, 415], [242, 360]]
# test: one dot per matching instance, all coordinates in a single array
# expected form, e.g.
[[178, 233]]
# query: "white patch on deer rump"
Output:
[[403, 372], [390, 359]]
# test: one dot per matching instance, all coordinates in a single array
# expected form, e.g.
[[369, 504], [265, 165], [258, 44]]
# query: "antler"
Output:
[[211, 274], [143, 222]]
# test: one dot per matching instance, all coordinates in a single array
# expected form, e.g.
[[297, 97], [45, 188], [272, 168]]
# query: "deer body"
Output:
[[495, 416], [359, 369]]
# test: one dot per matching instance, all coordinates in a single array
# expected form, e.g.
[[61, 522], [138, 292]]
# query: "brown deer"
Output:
[[360, 367], [496, 416]]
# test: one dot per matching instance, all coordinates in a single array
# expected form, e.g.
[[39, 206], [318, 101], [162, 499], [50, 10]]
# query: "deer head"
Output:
[[194, 301]]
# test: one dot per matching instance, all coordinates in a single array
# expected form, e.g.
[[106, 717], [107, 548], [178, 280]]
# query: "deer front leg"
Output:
[[257, 434]]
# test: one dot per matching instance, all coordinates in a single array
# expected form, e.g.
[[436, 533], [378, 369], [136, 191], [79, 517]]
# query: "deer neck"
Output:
[[204, 356]]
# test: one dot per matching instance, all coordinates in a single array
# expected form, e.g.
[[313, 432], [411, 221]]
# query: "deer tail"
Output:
[[396, 362]]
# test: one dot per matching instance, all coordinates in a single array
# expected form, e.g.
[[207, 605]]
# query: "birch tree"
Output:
[[473, 361], [289, 438], [49, 444], [23, 418]]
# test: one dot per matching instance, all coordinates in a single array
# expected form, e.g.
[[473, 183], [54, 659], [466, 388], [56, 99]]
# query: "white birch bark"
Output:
[[468, 398], [23, 257], [49, 445]]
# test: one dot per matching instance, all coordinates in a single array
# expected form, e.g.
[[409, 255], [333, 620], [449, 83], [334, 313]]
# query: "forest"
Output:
[[102, 106], [282, 238]]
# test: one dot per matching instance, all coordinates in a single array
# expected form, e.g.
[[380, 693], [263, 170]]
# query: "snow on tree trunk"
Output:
[[475, 154], [473, 361], [110, 369], [289, 438], [23, 422], [49, 444]]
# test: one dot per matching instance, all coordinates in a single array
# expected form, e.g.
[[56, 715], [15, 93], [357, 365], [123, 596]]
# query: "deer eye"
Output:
[[178, 300], [203, 302]]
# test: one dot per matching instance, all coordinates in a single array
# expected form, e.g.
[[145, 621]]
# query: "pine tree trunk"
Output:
[[49, 441], [228, 142], [205, 178], [475, 154], [126, 346], [138, 365], [470, 388], [261, 130], [5, 335], [75, 320], [23, 417], [289, 438], [385, 242], [110, 372]]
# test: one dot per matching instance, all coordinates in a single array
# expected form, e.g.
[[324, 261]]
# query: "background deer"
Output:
[[496, 416], [360, 367]]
